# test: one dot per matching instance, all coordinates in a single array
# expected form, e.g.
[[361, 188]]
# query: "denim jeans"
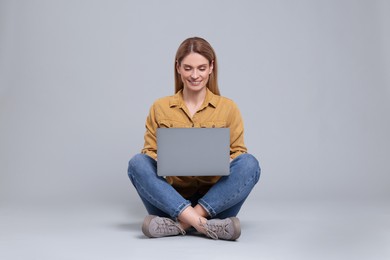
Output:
[[224, 199]]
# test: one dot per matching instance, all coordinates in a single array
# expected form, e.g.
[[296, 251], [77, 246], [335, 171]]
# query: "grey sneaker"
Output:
[[155, 226], [227, 229]]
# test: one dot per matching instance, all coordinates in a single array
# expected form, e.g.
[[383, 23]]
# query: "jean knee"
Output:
[[252, 166], [137, 164]]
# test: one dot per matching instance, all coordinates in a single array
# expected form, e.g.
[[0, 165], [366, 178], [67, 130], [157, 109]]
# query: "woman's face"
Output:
[[194, 71]]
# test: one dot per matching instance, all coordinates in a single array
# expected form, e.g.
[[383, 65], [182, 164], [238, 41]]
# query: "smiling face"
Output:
[[194, 71]]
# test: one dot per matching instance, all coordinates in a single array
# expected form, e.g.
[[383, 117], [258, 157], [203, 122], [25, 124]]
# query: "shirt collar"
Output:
[[177, 99]]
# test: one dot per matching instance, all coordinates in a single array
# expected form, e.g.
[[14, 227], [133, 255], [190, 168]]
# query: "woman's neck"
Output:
[[194, 98]]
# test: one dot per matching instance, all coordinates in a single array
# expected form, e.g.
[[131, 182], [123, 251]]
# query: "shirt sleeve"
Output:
[[150, 145], [236, 125]]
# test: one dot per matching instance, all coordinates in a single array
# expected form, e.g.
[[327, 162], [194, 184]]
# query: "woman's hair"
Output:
[[201, 46]]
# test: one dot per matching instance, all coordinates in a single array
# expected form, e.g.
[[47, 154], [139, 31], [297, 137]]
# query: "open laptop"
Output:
[[193, 151]]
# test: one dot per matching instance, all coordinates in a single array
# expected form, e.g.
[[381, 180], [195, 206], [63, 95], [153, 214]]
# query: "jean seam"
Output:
[[239, 190], [156, 202], [210, 211], [180, 210], [235, 195]]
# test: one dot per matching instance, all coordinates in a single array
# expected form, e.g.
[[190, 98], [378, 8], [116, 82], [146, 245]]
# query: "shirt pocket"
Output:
[[166, 123], [213, 124]]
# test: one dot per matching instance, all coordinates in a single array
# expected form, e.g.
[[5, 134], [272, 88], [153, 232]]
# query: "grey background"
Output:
[[312, 80]]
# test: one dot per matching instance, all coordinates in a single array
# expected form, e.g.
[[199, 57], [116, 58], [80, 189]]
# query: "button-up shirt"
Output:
[[216, 111]]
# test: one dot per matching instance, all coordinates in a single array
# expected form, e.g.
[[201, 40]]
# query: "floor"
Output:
[[269, 231]]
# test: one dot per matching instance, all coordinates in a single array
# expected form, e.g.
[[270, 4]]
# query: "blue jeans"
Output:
[[224, 199]]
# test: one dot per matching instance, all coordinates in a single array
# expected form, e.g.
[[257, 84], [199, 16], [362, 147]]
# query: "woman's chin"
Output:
[[193, 88]]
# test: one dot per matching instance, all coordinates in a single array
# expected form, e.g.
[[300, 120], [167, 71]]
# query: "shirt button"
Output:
[[171, 125], [213, 126], [193, 125]]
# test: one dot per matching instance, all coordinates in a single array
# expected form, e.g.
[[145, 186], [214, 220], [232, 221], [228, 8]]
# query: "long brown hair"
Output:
[[201, 46]]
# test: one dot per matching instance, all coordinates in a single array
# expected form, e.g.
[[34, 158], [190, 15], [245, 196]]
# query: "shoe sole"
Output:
[[145, 225], [237, 227]]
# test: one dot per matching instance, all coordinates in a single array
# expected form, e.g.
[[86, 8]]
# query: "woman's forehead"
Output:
[[195, 59]]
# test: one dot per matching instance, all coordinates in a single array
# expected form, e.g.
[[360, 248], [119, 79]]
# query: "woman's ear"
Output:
[[211, 66], [177, 67]]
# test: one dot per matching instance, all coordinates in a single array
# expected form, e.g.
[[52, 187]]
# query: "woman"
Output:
[[208, 203]]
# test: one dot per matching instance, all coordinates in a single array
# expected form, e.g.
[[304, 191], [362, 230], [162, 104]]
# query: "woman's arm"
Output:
[[150, 145], [237, 145]]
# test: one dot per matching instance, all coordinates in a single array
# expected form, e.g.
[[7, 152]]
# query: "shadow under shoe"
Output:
[[155, 226]]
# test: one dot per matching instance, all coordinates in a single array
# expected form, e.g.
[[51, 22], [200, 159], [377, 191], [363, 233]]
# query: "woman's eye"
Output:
[[187, 69], [202, 69]]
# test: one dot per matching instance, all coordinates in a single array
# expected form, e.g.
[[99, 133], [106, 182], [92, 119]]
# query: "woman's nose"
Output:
[[195, 74]]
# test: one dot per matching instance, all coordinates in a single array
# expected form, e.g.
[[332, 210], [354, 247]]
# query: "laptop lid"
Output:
[[193, 151]]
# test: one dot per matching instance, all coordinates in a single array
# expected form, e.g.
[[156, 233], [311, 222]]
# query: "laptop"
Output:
[[193, 151]]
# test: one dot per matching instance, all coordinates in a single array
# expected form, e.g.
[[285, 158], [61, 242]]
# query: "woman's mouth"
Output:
[[195, 83]]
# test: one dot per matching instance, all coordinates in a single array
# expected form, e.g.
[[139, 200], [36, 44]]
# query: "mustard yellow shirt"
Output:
[[216, 111]]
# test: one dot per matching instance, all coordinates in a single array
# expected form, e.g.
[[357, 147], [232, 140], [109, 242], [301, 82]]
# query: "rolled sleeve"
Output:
[[236, 125], [150, 145]]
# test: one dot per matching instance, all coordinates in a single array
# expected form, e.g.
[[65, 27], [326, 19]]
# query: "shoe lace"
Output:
[[212, 230], [166, 225]]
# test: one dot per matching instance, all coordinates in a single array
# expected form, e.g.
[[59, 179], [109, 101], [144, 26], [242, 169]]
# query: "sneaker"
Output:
[[155, 226], [226, 229]]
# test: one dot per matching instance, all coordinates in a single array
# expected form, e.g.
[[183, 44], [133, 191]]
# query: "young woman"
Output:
[[208, 203]]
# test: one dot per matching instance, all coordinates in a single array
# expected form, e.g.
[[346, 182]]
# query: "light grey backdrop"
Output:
[[77, 78]]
